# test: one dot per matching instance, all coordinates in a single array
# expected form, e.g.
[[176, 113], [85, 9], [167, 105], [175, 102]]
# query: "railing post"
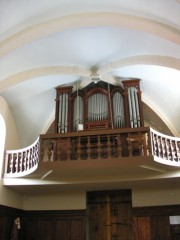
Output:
[[88, 147], [108, 146], [119, 146], [151, 143]]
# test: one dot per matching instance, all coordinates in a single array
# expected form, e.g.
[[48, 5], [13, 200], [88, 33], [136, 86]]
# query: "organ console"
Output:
[[99, 106]]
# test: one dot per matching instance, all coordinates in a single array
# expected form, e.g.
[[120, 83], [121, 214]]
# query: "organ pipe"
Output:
[[130, 108], [137, 110], [78, 113], [133, 107], [66, 114], [60, 111], [109, 95], [97, 107], [63, 113], [118, 110]]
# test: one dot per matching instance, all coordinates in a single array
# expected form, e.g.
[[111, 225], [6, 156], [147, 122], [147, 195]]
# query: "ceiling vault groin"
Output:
[[83, 72]]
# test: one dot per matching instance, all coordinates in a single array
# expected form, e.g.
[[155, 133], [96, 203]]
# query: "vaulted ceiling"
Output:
[[44, 44]]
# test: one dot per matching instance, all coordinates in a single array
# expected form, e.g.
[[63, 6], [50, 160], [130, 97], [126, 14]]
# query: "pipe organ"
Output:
[[99, 106]]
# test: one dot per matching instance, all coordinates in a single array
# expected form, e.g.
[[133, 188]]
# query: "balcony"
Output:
[[89, 151]]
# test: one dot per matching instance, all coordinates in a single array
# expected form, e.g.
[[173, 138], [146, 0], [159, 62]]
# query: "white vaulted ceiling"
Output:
[[44, 44]]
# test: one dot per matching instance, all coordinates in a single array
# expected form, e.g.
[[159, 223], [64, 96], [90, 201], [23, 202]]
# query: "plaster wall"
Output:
[[10, 198], [156, 197], [12, 138], [61, 201], [77, 200]]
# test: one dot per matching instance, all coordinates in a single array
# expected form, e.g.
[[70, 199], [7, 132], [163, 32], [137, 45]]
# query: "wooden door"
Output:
[[110, 215]]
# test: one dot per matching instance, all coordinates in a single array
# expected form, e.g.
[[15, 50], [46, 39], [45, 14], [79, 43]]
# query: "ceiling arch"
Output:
[[83, 72], [86, 20], [59, 44]]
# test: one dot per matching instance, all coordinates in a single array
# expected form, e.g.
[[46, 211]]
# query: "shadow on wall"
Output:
[[2, 142]]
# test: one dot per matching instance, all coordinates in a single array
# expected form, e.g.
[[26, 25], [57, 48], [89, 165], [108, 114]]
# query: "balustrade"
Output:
[[23, 161], [165, 149], [95, 145], [86, 145]]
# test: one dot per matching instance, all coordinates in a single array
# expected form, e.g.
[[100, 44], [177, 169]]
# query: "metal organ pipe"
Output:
[[63, 113], [103, 107], [137, 109], [130, 107], [81, 113], [97, 107], [112, 124], [81, 116], [66, 114], [78, 112], [133, 107], [118, 110], [74, 113], [60, 113], [105, 100], [100, 107]]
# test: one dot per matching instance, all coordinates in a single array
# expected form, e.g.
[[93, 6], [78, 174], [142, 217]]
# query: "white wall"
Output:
[[8, 197], [155, 197], [61, 201], [77, 200], [12, 138]]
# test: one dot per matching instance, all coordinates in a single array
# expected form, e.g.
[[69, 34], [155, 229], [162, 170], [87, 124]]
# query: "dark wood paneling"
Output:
[[30, 228], [61, 229], [154, 221], [47, 229], [167, 210], [76, 227], [150, 223], [7, 216], [48, 225], [175, 232], [2, 227], [160, 227]]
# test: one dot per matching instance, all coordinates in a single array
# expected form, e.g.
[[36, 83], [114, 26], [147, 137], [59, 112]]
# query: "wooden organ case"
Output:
[[87, 121], [99, 106]]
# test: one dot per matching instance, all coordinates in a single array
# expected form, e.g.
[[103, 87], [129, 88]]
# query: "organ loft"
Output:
[[97, 122]]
